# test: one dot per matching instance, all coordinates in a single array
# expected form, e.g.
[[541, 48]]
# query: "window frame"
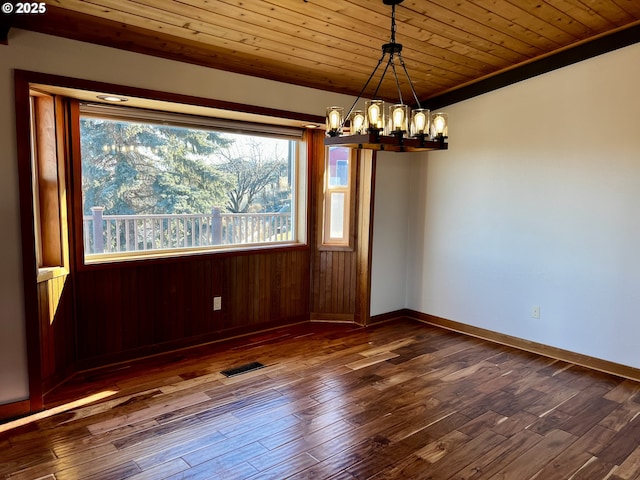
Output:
[[299, 187], [347, 241]]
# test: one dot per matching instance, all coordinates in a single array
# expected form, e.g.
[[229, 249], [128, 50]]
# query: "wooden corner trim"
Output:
[[527, 345]]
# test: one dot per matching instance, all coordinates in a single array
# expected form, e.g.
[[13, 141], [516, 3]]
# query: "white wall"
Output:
[[390, 230], [537, 202], [31, 51]]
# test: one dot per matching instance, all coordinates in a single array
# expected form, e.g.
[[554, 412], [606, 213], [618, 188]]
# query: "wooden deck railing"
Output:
[[131, 233]]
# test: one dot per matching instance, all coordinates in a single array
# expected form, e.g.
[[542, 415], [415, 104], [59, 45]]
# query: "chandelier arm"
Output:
[[363, 89], [395, 76], [413, 90], [389, 62]]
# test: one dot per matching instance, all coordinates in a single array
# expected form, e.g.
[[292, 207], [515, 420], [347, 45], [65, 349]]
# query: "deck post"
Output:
[[98, 240], [216, 226]]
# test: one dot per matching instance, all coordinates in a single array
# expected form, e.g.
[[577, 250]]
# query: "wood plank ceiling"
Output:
[[334, 44]]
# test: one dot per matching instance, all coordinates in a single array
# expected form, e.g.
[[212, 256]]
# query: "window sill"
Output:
[[186, 254], [49, 273], [336, 248]]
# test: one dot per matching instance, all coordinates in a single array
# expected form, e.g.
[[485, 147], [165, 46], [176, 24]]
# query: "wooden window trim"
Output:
[[299, 209], [350, 210], [49, 181]]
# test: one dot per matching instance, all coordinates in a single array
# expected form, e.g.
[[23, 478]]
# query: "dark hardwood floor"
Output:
[[400, 400]]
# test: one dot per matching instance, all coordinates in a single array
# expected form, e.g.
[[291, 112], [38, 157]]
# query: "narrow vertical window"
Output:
[[338, 198]]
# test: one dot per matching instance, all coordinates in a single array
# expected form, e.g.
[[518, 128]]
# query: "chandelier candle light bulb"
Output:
[[439, 127], [420, 118], [357, 122], [399, 116], [334, 120], [375, 115]]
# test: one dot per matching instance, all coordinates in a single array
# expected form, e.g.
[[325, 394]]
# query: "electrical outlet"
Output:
[[535, 311], [217, 303]]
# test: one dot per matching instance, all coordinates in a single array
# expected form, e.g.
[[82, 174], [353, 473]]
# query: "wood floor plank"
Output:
[[398, 400], [594, 469], [284, 469], [622, 444], [487, 465], [536, 458], [577, 455], [621, 416], [630, 468], [625, 390], [589, 416], [162, 470], [468, 453], [304, 443], [165, 454]]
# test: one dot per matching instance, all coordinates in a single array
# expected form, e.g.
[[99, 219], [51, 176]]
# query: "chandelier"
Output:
[[387, 126]]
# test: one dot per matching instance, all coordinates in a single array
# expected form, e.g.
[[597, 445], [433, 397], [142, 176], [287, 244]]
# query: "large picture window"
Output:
[[154, 187]]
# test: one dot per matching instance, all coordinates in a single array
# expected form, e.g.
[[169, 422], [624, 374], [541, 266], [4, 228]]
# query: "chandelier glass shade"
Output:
[[383, 126]]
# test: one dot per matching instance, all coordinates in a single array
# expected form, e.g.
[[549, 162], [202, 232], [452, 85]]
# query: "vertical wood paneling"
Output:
[[132, 309], [55, 319], [334, 271]]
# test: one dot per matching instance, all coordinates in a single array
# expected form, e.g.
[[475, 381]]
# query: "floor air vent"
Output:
[[249, 367]]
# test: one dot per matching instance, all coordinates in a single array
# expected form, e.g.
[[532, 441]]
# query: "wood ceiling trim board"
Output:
[[411, 37], [585, 15], [279, 26], [494, 20], [587, 49], [407, 31], [618, 12], [445, 58], [554, 16], [469, 24], [513, 13], [630, 6]]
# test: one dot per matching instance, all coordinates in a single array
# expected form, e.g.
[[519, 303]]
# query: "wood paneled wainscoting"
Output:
[[133, 310], [56, 323]]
